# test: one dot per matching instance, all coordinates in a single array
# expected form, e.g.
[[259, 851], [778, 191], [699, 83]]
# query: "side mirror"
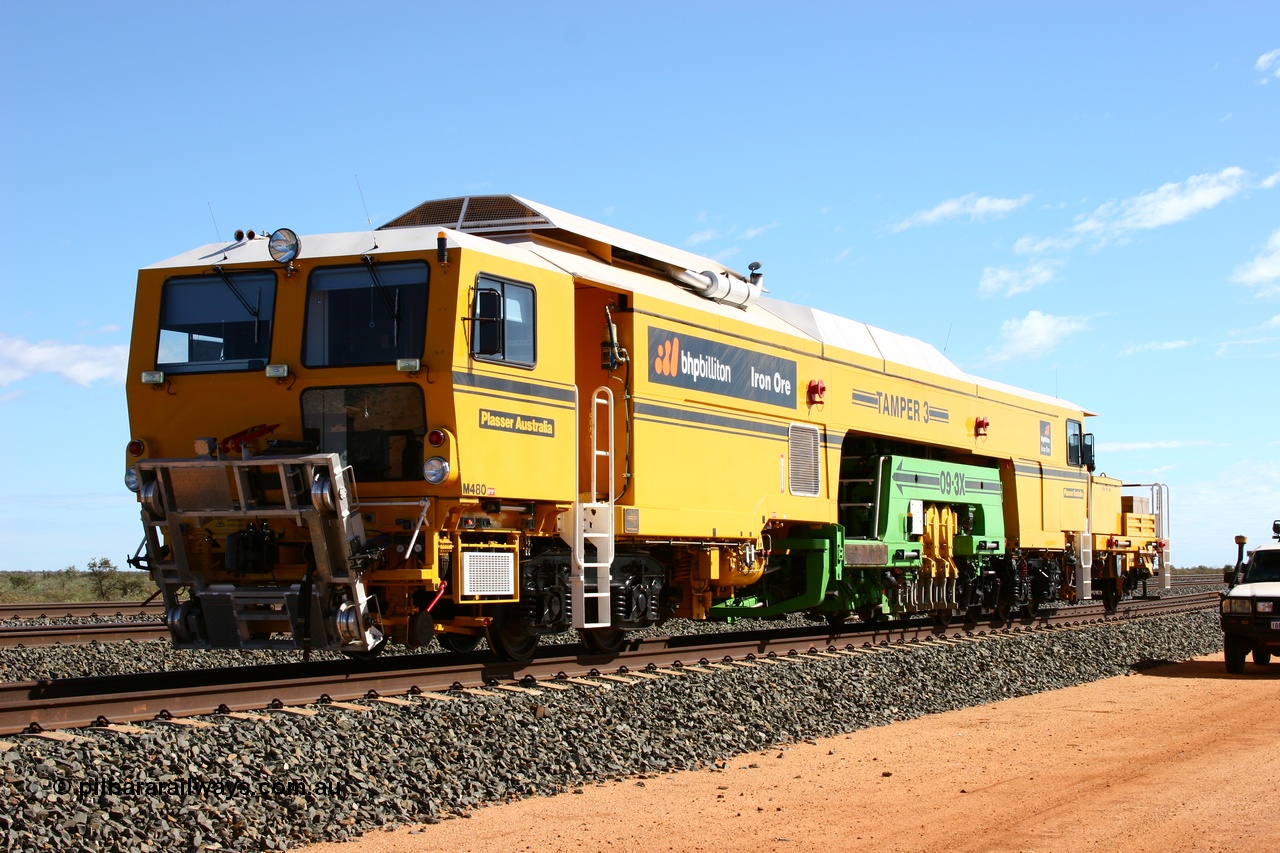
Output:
[[1087, 453], [487, 321]]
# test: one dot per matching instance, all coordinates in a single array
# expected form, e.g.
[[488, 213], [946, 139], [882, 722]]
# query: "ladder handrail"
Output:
[[592, 518]]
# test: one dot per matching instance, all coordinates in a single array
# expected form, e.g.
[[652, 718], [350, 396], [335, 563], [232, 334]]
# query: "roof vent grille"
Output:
[[476, 214]]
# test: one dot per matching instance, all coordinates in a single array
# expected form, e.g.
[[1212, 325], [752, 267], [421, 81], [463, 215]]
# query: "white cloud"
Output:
[[1172, 202], [702, 236], [844, 253], [972, 205], [1263, 272], [1225, 347], [1266, 62], [1032, 245], [1154, 346], [1270, 181], [1268, 326], [758, 230], [81, 363], [1009, 281], [1035, 335]]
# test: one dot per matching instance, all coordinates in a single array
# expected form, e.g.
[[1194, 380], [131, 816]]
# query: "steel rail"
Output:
[[79, 633], [80, 609], [75, 702]]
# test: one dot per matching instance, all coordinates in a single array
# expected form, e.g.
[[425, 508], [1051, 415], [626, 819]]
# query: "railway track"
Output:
[[80, 609], [79, 633], [44, 705]]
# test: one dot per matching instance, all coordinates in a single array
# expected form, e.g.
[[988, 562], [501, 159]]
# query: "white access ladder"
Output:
[[592, 522]]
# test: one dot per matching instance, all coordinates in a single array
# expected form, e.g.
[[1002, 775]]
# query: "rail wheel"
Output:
[[510, 639], [603, 641], [461, 643], [1110, 598], [836, 618], [941, 618], [1234, 650], [871, 615], [1261, 657]]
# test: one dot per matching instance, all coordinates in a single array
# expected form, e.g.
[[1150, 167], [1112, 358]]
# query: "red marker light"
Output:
[[436, 437], [135, 447]]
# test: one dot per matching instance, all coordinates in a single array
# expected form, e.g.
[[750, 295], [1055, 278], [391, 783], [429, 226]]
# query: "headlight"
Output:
[[1237, 605], [1266, 606], [284, 245], [435, 470], [131, 480]]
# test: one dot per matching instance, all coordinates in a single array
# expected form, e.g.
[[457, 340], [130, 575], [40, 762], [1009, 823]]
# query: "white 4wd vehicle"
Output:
[[1251, 608]]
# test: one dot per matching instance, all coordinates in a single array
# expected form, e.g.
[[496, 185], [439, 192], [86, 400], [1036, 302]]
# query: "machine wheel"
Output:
[[460, 643], [1110, 599], [941, 618], [421, 630], [603, 641], [836, 618], [1031, 609], [510, 640], [1261, 657], [1234, 650]]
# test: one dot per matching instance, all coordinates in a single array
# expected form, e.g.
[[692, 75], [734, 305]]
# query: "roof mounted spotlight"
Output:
[[284, 246]]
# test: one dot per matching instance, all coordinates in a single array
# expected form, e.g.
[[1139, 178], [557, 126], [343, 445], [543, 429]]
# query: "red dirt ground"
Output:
[[1177, 758]]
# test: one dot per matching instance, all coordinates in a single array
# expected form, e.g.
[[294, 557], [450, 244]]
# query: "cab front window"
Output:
[[376, 429], [369, 313], [216, 322]]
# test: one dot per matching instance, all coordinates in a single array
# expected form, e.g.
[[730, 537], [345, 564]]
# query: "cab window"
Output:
[[1073, 443], [218, 322], [369, 313], [503, 321], [376, 429]]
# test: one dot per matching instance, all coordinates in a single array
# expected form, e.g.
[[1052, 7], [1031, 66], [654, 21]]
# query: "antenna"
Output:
[[948, 340], [216, 230], [367, 217]]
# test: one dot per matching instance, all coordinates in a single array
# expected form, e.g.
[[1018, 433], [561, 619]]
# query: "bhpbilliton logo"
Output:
[[668, 361]]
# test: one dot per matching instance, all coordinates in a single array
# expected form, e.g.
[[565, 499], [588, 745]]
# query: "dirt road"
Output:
[[1182, 757]]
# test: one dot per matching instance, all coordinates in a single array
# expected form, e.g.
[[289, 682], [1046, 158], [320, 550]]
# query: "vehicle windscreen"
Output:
[[371, 313], [1264, 567], [216, 322]]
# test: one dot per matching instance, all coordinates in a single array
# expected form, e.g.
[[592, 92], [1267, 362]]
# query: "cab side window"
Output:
[[1073, 443], [503, 320]]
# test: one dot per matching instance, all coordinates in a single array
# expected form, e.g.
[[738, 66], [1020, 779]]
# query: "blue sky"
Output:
[[1081, 199]]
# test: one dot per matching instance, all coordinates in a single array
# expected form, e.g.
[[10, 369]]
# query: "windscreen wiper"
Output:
[[393, 302], [254, 312]]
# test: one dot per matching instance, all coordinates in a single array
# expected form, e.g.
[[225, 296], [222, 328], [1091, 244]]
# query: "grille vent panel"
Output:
[[805, 457], [488, 573]]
